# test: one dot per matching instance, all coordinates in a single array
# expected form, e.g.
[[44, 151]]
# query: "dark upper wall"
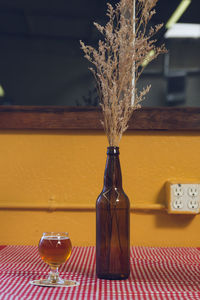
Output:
[[41, 62]]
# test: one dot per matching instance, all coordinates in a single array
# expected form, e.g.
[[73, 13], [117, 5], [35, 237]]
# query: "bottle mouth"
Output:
[[113, 150]]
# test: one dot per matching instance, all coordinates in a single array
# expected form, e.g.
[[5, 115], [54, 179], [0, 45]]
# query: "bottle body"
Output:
[[112, 224]]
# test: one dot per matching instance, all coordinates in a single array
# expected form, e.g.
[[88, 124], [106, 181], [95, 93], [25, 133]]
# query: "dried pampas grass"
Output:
[[118, 62]]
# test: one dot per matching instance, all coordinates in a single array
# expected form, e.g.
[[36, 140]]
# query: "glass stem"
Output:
[[53, 275]]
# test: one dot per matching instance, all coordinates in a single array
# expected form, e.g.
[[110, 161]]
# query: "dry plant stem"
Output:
[[127, 43]]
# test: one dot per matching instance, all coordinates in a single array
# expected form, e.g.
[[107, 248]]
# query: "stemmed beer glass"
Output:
[[55, 249]]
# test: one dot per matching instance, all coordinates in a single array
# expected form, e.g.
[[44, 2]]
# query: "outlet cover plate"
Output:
[[183, 198]]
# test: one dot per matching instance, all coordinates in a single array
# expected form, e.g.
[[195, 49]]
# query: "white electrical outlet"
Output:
[[183, 198], [193, 190], [193, 204], [177, 204]]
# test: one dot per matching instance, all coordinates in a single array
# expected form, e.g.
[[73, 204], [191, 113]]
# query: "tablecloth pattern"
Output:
[[156, 273]]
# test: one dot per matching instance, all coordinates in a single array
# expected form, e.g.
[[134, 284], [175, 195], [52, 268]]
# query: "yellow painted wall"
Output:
[[65, 168]]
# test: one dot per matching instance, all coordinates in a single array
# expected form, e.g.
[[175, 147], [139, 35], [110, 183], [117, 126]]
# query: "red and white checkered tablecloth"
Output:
[[156, 273]]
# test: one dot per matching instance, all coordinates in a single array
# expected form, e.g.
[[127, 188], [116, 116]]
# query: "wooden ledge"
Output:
[[88, 118]]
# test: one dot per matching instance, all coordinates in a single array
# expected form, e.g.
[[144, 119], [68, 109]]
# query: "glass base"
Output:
[[59, 283]]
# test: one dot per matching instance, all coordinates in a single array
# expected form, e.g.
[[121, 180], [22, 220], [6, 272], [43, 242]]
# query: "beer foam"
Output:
[[55, 237]]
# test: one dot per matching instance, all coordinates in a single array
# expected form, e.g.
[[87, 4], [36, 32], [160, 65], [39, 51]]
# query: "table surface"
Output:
[[156, 273]]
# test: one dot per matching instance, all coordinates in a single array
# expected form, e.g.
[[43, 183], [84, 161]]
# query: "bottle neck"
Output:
[[112, 175]]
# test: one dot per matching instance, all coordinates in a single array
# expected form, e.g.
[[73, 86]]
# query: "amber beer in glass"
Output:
[[55, 250]]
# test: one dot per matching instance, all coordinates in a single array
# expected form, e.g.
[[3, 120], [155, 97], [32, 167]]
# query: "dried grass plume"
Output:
[[118, 62]]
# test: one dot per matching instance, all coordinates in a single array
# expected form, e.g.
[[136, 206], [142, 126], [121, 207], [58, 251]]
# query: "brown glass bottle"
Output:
[[112, 223]]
